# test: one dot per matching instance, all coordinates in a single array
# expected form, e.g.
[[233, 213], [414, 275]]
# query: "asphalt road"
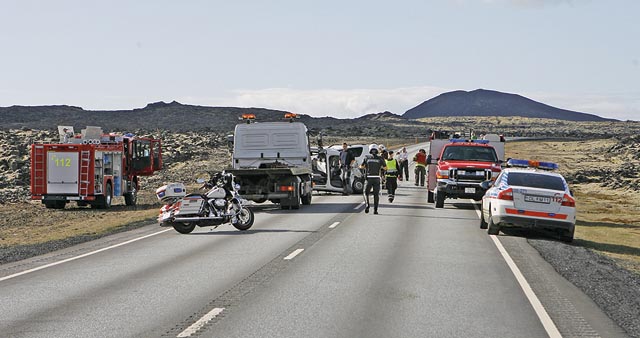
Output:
[[326, 270]]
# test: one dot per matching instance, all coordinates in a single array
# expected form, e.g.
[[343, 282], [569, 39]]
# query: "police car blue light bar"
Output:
[[532, 164]]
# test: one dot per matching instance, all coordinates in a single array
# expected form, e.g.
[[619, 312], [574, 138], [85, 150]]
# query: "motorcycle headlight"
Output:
[[237, 186]]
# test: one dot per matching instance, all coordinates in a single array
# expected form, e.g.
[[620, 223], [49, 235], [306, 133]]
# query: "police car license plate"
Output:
[[469, 190], [537, 199]]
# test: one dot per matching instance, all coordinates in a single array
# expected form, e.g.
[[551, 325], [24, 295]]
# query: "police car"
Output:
[[527, 194]]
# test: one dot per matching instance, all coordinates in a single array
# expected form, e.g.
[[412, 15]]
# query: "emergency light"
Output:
[[461, 140], [532, 164]]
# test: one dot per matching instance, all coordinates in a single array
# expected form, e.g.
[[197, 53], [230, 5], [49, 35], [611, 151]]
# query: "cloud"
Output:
[[334, 102]]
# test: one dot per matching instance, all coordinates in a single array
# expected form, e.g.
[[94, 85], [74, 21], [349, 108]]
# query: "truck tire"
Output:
[[493, 229], [184, 228], [131, 198], [430, 197], [55, 204], [296, 202], [440, 197], [104, 202], [306, 199]]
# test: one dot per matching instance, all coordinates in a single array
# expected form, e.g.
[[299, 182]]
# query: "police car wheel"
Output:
[[493, 229], [483, 223]]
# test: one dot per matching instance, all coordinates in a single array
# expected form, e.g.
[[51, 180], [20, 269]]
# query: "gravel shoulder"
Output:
[[615, 289]]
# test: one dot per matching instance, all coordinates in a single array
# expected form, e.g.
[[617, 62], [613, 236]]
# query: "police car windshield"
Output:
[[469, 153], [533, 180]]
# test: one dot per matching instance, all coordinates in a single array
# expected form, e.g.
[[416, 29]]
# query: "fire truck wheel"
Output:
[[104, 202], [55, 204], [131, 198]]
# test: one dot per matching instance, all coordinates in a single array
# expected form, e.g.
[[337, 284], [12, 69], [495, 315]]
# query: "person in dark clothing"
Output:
[[391, 175], [373, 165], [346, 161]]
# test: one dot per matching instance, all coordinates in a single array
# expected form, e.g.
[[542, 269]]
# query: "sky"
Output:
[[322, 58]]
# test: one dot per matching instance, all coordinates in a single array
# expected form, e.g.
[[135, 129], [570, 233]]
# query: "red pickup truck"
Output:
[[458, 166]]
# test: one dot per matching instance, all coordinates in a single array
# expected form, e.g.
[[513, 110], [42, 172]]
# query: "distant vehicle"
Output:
[[456, 167], [526, 195], [91, 168], [272, 161], [327, 171]]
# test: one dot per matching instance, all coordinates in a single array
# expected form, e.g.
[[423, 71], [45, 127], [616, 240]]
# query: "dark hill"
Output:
[[483, 102]]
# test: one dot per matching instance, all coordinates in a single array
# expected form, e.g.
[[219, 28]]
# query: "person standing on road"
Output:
[[346, 161], [373, 165], [403, 160], [392, 175], [421, 166]]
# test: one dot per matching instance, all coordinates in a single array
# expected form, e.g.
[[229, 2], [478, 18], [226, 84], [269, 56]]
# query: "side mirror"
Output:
[[486, 185], [429, 159], [230, 141]]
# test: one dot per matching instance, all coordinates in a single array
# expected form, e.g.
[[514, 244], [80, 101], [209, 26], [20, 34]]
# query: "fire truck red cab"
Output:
[[91, 168]]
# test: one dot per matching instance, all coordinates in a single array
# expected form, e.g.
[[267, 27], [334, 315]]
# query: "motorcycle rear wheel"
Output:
[[184, 228], [245, 219]]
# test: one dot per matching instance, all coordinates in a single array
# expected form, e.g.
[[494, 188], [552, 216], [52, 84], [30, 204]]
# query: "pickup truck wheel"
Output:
[[430, 198], [184, 228], [493, 229], [440, 199]]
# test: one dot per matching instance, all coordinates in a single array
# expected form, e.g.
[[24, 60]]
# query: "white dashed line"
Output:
[[81, 256], [200, 323], [335, 224], [359, 205], [294, 254]]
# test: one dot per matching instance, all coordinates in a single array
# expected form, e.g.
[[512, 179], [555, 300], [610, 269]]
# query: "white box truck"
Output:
[[272, 162]]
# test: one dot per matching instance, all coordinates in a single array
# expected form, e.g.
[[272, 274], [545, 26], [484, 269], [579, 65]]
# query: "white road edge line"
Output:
[[546, 321], [81, 256], [335, 224], [195, 327], [358, 206], [294, 254]]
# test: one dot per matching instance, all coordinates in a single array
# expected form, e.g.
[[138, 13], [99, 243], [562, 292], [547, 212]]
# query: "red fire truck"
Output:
[[91, 168]]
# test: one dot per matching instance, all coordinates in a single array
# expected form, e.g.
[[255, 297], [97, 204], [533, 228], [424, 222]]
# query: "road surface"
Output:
[[326, 270]]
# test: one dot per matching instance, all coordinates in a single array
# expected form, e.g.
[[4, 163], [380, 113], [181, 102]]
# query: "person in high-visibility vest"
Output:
[[421, 166], [391, 175]]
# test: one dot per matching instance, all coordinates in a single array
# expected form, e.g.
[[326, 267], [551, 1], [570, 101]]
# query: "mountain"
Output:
[[483, 102]]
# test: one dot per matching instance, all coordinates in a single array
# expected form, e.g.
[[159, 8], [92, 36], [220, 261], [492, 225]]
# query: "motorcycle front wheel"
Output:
[[184, 228], [245, 219]]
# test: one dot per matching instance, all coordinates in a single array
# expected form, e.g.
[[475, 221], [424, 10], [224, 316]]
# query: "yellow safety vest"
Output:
[[392, 168]]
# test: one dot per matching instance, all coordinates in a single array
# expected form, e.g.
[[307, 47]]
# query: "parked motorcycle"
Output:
[[221, 204]]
